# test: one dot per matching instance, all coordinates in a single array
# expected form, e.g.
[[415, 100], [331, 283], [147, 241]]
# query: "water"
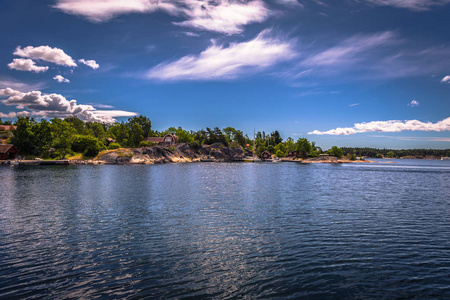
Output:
[[226, 231]]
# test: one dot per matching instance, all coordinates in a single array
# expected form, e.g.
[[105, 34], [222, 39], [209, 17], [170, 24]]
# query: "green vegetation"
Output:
[[59, 138], [391, 153]]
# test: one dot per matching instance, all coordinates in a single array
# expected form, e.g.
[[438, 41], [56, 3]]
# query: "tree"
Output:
[[303, 147], [144, 122], [136, 135], [43, 137], [63, 134], [335, 151], [96, 129], [77, 124], [119, 132], [83, 142], [275, 138], [391, 154], [24, 137]]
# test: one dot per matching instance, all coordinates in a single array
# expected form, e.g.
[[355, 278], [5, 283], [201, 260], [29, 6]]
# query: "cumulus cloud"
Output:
[[224, 16], [417, 5], [46, 53], [60, 78], [388, 126], [413, 103], [23, 64], [446, 79], [90, 63], [217, 62], [36, 103]]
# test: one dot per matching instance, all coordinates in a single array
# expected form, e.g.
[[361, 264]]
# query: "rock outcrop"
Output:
[[181, 152]]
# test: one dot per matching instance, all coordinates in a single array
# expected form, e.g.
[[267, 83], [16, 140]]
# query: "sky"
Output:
[[351, 73]]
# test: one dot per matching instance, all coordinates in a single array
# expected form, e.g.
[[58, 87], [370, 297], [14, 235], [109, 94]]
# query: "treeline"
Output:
[[58, 138], [390, 153]]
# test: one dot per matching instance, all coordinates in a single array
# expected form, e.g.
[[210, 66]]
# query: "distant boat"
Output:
[[445, 158]]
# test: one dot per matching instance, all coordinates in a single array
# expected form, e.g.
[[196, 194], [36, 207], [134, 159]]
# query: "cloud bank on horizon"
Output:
[[388, 126], [42, 105]]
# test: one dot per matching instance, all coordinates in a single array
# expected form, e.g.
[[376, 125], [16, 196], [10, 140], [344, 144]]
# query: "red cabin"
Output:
[[8, 152]]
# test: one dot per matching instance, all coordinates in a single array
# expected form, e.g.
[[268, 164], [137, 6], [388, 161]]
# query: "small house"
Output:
[[166, 141], [8, 152], [266, 155]]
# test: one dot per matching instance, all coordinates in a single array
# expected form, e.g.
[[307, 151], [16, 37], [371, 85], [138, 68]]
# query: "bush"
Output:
[[147, 144], [194, 144], [280, 153], [82, 142], [335, 151], [113, 146], [91, 151]]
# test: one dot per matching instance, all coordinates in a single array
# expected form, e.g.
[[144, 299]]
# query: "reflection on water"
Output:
[[226, 230]]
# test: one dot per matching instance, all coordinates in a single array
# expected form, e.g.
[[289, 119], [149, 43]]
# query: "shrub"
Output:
[[147, 144], [113, 146], [91, 151], [280, 153]]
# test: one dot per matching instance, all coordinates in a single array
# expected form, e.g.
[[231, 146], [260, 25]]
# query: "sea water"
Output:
[[226, 231]]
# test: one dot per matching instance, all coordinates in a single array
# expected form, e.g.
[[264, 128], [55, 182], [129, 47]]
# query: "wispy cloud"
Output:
[[6, 82], [388, 126], [60, 78], [38, 104], [349, 51], [413, 103], [417, 5], [446, 79], [23, 64], [354, 104], [90, 63], [46, 53], [223, 16], [218, 62]]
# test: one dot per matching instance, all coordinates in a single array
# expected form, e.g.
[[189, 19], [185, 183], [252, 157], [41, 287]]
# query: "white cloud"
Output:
[[224, 16], [217, 62], [388, 126], [46, 53], [417, 5], [90, 63], [36, 103], [446, 79], [19, 85], [413, 103], [23, 64], [350, 50], [60, 78], [101, 10], [354, 104]]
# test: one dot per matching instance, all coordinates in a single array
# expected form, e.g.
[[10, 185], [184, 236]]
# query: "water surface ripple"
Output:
[[226, 231]]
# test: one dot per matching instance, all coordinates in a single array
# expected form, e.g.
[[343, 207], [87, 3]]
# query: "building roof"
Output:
[[6, 148], [7, 127], [154, 139]]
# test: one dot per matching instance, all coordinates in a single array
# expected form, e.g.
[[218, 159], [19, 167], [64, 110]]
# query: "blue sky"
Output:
[[370, 73]]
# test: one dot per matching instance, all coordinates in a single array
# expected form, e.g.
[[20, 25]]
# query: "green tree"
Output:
[[391, 154], [24, 138], [335, 151], [136, 135], [43, 137], [119, 132], [303, 146], [82, 142], [77, 124], [63, 134], [96, 129], [144, 122]]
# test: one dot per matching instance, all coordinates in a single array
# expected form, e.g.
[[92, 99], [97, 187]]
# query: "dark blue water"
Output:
[[226, 231]]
